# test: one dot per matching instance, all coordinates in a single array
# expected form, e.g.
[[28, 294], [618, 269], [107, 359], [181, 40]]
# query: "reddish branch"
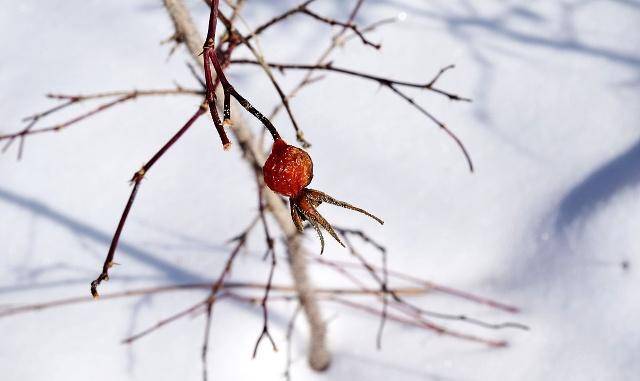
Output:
[[238, 38], [211, 58], [135, 180]]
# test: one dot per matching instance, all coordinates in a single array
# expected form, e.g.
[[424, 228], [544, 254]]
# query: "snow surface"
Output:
[[545, 222]]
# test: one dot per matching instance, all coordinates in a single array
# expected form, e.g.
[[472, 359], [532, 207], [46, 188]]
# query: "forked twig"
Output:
[[269, 254], [121, 97], [392, 85]]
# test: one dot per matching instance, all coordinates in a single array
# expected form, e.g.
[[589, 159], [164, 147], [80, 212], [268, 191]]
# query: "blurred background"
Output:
[[548, 222]]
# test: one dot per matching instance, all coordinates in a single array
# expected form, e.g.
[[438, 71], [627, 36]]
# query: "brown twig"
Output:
[[308, 79], [403, 305], [277, 19], [122, 97], [347, 25], [335, 42], [164, 322], [383, 81], [272, 254], [420, 323], [392, 85], [429, 285], [213, 295], [290, 290], [58, 127], [384, 287]]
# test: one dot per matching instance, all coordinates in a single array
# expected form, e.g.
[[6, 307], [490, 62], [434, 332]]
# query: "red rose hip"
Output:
[[288, 169]]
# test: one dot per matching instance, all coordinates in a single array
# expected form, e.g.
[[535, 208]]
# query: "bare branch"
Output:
[[392, 85], [122, 97], [383, 81], [136, 179], [272, 254]]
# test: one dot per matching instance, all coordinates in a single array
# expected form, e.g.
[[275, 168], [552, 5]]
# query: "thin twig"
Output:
[[270, 253], [277, 19], [37, 307], [421, 323], [348, 25], [335, 42], [384, 286], [404, 306], [135, 180], [213, 296], [392, 85], [383, 81], [122, 97]]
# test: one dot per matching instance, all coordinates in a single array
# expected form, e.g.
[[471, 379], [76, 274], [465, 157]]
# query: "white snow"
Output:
[[545, 223]]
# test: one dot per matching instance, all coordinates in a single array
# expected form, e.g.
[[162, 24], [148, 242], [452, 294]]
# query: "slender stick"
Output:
[[136, 179], [384, 287], [307, 79], [347, 25], [408, 308], [430, 285], [123, 96], [270, 253], [421, 323], [58, 127], [213, 296], [353, 73], [36, 307], [277, 19]]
